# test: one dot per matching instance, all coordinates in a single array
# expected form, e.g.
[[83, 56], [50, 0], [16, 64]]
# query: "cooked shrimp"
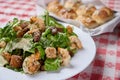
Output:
[[31, 64], [36, 56], [64, 54], [75, 41]]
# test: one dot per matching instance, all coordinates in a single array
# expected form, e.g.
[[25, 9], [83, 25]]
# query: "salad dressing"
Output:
[[2, 61], [22, 44]]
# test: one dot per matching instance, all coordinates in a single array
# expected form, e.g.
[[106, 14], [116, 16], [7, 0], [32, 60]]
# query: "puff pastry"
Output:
[[87, 21], [88, 14], [54, 6], [86, 10], [102, 15], [72, 4], [67, 13]]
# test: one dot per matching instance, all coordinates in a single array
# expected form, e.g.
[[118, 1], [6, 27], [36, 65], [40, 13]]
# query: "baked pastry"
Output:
[[72, 4], [54, 6], [86, 10], [87, 22], [67, 13], [102, 15], [88, 15]]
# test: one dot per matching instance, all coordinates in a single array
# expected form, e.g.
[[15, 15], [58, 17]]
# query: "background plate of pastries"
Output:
[[90, 17]]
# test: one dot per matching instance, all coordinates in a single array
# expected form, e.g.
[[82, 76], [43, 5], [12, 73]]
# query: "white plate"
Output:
[[77, 64]]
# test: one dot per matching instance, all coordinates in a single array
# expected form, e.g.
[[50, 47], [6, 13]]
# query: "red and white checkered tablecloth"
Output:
[[21, 9], [106, 65], [113, 4]]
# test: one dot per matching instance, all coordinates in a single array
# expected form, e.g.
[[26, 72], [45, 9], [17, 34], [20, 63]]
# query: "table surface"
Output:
[[106, 65]]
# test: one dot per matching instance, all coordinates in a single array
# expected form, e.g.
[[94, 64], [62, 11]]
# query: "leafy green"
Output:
[[39, 48], [17, 51], [41, 51], [62, 40], [1, 32], [45, 42], [26, 54], [49, 21], [53, 22], [58, 40], [7, 33], [8, 47], [47, 31], [15, 69], [6, 39], [52, 64], [27, 36], [1, 50], [25, 46]]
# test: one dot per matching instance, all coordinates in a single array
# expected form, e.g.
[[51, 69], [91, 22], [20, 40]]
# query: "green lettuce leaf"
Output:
[[41, 51], [7, 33], [52, 64]]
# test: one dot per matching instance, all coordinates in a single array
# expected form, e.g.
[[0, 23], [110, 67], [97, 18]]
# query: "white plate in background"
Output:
[[106, 27]]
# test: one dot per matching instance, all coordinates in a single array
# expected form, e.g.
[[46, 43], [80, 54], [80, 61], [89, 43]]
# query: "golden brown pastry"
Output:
[[108, 10], [88, 15], [72, 4], [86, 10], [54, 6], [102, 15], [67, 13], [87, 21]]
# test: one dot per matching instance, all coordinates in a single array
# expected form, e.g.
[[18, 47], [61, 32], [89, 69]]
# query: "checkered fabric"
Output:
[[106, 65], [21, 9], [113, 4]]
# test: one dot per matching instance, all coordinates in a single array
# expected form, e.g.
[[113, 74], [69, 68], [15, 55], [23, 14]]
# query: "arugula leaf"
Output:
[[52, 64], [17, 51], [41, 51], [46, 18], [27, 36], [15, 69], [26, 54], [45, 42], [1, 50], [39, 48], [7, 29], [8, 47], [6, 39], [7, 33], [47, 31], [59, 40], [62, 40], [50, 21], [53, 22], [1, 31]]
